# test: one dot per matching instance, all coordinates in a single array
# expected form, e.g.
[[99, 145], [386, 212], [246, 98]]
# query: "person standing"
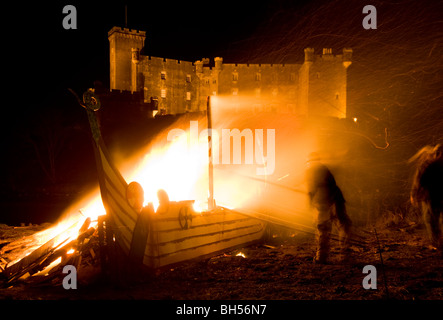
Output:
[[328, 202], [427, 191]]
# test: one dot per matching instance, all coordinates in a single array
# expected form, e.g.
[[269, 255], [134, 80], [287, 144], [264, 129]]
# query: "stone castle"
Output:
[[317, 87]]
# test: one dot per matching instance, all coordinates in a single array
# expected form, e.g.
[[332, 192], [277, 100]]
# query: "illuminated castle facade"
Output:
[[317, 87]]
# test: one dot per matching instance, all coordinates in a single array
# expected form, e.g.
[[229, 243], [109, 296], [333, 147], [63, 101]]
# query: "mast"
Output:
[[211, 204]]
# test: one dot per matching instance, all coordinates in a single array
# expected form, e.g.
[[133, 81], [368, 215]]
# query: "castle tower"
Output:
[[124, 52], [218, 63], [309, 55], [323, 83]]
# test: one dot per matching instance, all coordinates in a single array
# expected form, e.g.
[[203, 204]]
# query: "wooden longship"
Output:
[[209, 232], [175, 235]]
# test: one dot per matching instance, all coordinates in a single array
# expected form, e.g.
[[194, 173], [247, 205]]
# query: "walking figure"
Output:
[[328, 202], [427, 191]]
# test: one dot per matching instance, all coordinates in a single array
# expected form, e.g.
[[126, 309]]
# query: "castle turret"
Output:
[[309, 55], [218, 63], [198, 66], [124, 54]]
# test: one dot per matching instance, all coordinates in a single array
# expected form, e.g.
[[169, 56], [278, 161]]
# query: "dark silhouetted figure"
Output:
[[135, 197], [163, 201], [427, 191], [328, 202]]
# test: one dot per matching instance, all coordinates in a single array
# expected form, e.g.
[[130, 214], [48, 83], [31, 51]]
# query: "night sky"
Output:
[[42, 58], [49, 58], [395, 81]]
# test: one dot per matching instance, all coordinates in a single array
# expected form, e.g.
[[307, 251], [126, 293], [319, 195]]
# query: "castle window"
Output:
[[336, 96], [188, 78], [234, 76], [163, 93], [318, 75], [258, 76], [188, 96], [163, 75]]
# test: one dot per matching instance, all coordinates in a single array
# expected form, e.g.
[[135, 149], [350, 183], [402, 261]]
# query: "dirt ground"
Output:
[[281, 268]]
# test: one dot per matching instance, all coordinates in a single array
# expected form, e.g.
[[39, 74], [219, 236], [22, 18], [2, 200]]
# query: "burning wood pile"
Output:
[[44, 265]]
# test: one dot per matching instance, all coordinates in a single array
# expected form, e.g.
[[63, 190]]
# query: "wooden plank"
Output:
[[170, 220], [43, 250], [179, 235], [112, 173], [208, 249], [35, 263], [203, 250], [210, 232], [121, 229], [119, 206], [200, 241]]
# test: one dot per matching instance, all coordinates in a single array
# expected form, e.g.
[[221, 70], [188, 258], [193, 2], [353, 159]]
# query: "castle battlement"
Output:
[[260, 65], [313, 87], [167, 61], [327, 55], [125, 32], [155, 59], [172, 61]]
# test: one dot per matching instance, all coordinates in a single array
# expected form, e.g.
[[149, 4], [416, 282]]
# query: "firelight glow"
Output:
[[177, 168], [181, 169]]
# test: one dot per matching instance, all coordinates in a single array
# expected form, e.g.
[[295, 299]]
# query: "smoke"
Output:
[[394, 84], [396, 71], [279, 194]]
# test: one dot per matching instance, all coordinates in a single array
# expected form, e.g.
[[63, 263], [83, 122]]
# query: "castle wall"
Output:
[[260, 87], [173, 82], [315, 88], [208, 83]]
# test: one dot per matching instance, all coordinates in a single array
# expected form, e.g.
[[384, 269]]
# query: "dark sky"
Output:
[[397, 64], [46, 57]]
